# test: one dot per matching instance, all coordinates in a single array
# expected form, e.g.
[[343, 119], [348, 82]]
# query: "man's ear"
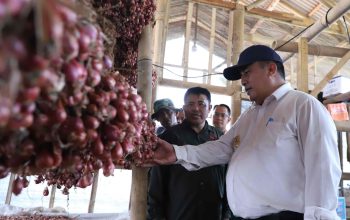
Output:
[[210, 106], [272, 68]]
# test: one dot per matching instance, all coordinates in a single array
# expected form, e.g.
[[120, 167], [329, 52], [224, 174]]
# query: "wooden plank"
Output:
[[158, 33], [254, 4], [344, 97], [229, 44], [340, 148], [9, 189], [342, 125], [270, 7], [238, 40], [139, 182], [278, 15], [211, 44], [52, 196], [318, 50], [345, 176], [331, 74], [302, 75], [181, 84], [187, 39], [93, 193], [348, 139], [218, 3]]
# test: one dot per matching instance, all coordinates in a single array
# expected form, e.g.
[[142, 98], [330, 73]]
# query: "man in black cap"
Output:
[[164, 112], [282, 152]]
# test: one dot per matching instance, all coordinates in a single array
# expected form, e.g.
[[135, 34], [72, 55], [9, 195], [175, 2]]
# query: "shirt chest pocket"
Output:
[[276, 130]]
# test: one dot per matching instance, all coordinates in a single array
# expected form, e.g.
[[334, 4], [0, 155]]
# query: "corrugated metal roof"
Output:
[[269, 29]]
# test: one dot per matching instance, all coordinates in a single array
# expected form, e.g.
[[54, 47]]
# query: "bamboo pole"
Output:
[[229, 41], [93, 193], [342, 125], [238, 40], [317, 50], [144, 85], [52, 196], [302, 75], [159, 33], [211, 44], [9, 189], [187, 39]]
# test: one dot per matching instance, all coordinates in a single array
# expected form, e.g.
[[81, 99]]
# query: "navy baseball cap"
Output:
[[251, 55]]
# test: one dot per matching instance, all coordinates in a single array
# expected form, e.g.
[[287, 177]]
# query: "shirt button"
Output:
[[201, 184]]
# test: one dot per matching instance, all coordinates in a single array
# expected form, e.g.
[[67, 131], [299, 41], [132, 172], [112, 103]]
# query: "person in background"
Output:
[[165, 113], [180, 116], [221, 116], [177, 194], [282, 152]]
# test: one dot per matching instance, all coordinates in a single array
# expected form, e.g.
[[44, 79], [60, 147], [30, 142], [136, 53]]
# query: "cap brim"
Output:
[[233, 72], [154, 115]]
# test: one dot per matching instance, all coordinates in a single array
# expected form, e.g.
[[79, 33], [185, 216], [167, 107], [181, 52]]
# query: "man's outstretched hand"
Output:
[[163, 154]]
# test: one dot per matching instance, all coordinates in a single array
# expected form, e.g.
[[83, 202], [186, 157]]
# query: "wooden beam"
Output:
[[9, 189], [270, 7], [344, 97], [218, 3], [229, 40], [254, 4], [93, 193], [52, 196], [160, 27], [302, 76], [211, 44], [331, 74], [317, 50], [277, 15], [345, 176], [189, 68], [342, 125], [182, 84], [139, 181], [187, 39], [238, 41]]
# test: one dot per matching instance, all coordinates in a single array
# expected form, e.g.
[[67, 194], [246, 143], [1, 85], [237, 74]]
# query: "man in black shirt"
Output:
[[177, 194]]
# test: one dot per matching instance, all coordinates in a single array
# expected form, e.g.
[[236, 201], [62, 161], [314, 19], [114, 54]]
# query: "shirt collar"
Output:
[[281, 91], [277, 94]]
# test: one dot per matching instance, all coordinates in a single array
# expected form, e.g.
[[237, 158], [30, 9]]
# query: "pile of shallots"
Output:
[[63, 113]]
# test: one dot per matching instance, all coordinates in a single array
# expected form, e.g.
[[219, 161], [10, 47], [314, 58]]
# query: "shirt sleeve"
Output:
[[207, 154], [317, 138]]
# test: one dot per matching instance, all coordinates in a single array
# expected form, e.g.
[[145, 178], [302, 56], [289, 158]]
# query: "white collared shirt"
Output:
[[286, 158]]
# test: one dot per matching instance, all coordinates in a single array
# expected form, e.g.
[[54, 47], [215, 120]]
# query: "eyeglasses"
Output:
[[218, 114]]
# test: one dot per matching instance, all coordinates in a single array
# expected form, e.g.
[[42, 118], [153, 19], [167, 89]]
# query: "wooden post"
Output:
[[238, 40], [159, 33], [9, 189], [229, 42], [302, 75], [93, 193], [52, 196], [187, 39], [212, 44], [331, 73], [144, 86]]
